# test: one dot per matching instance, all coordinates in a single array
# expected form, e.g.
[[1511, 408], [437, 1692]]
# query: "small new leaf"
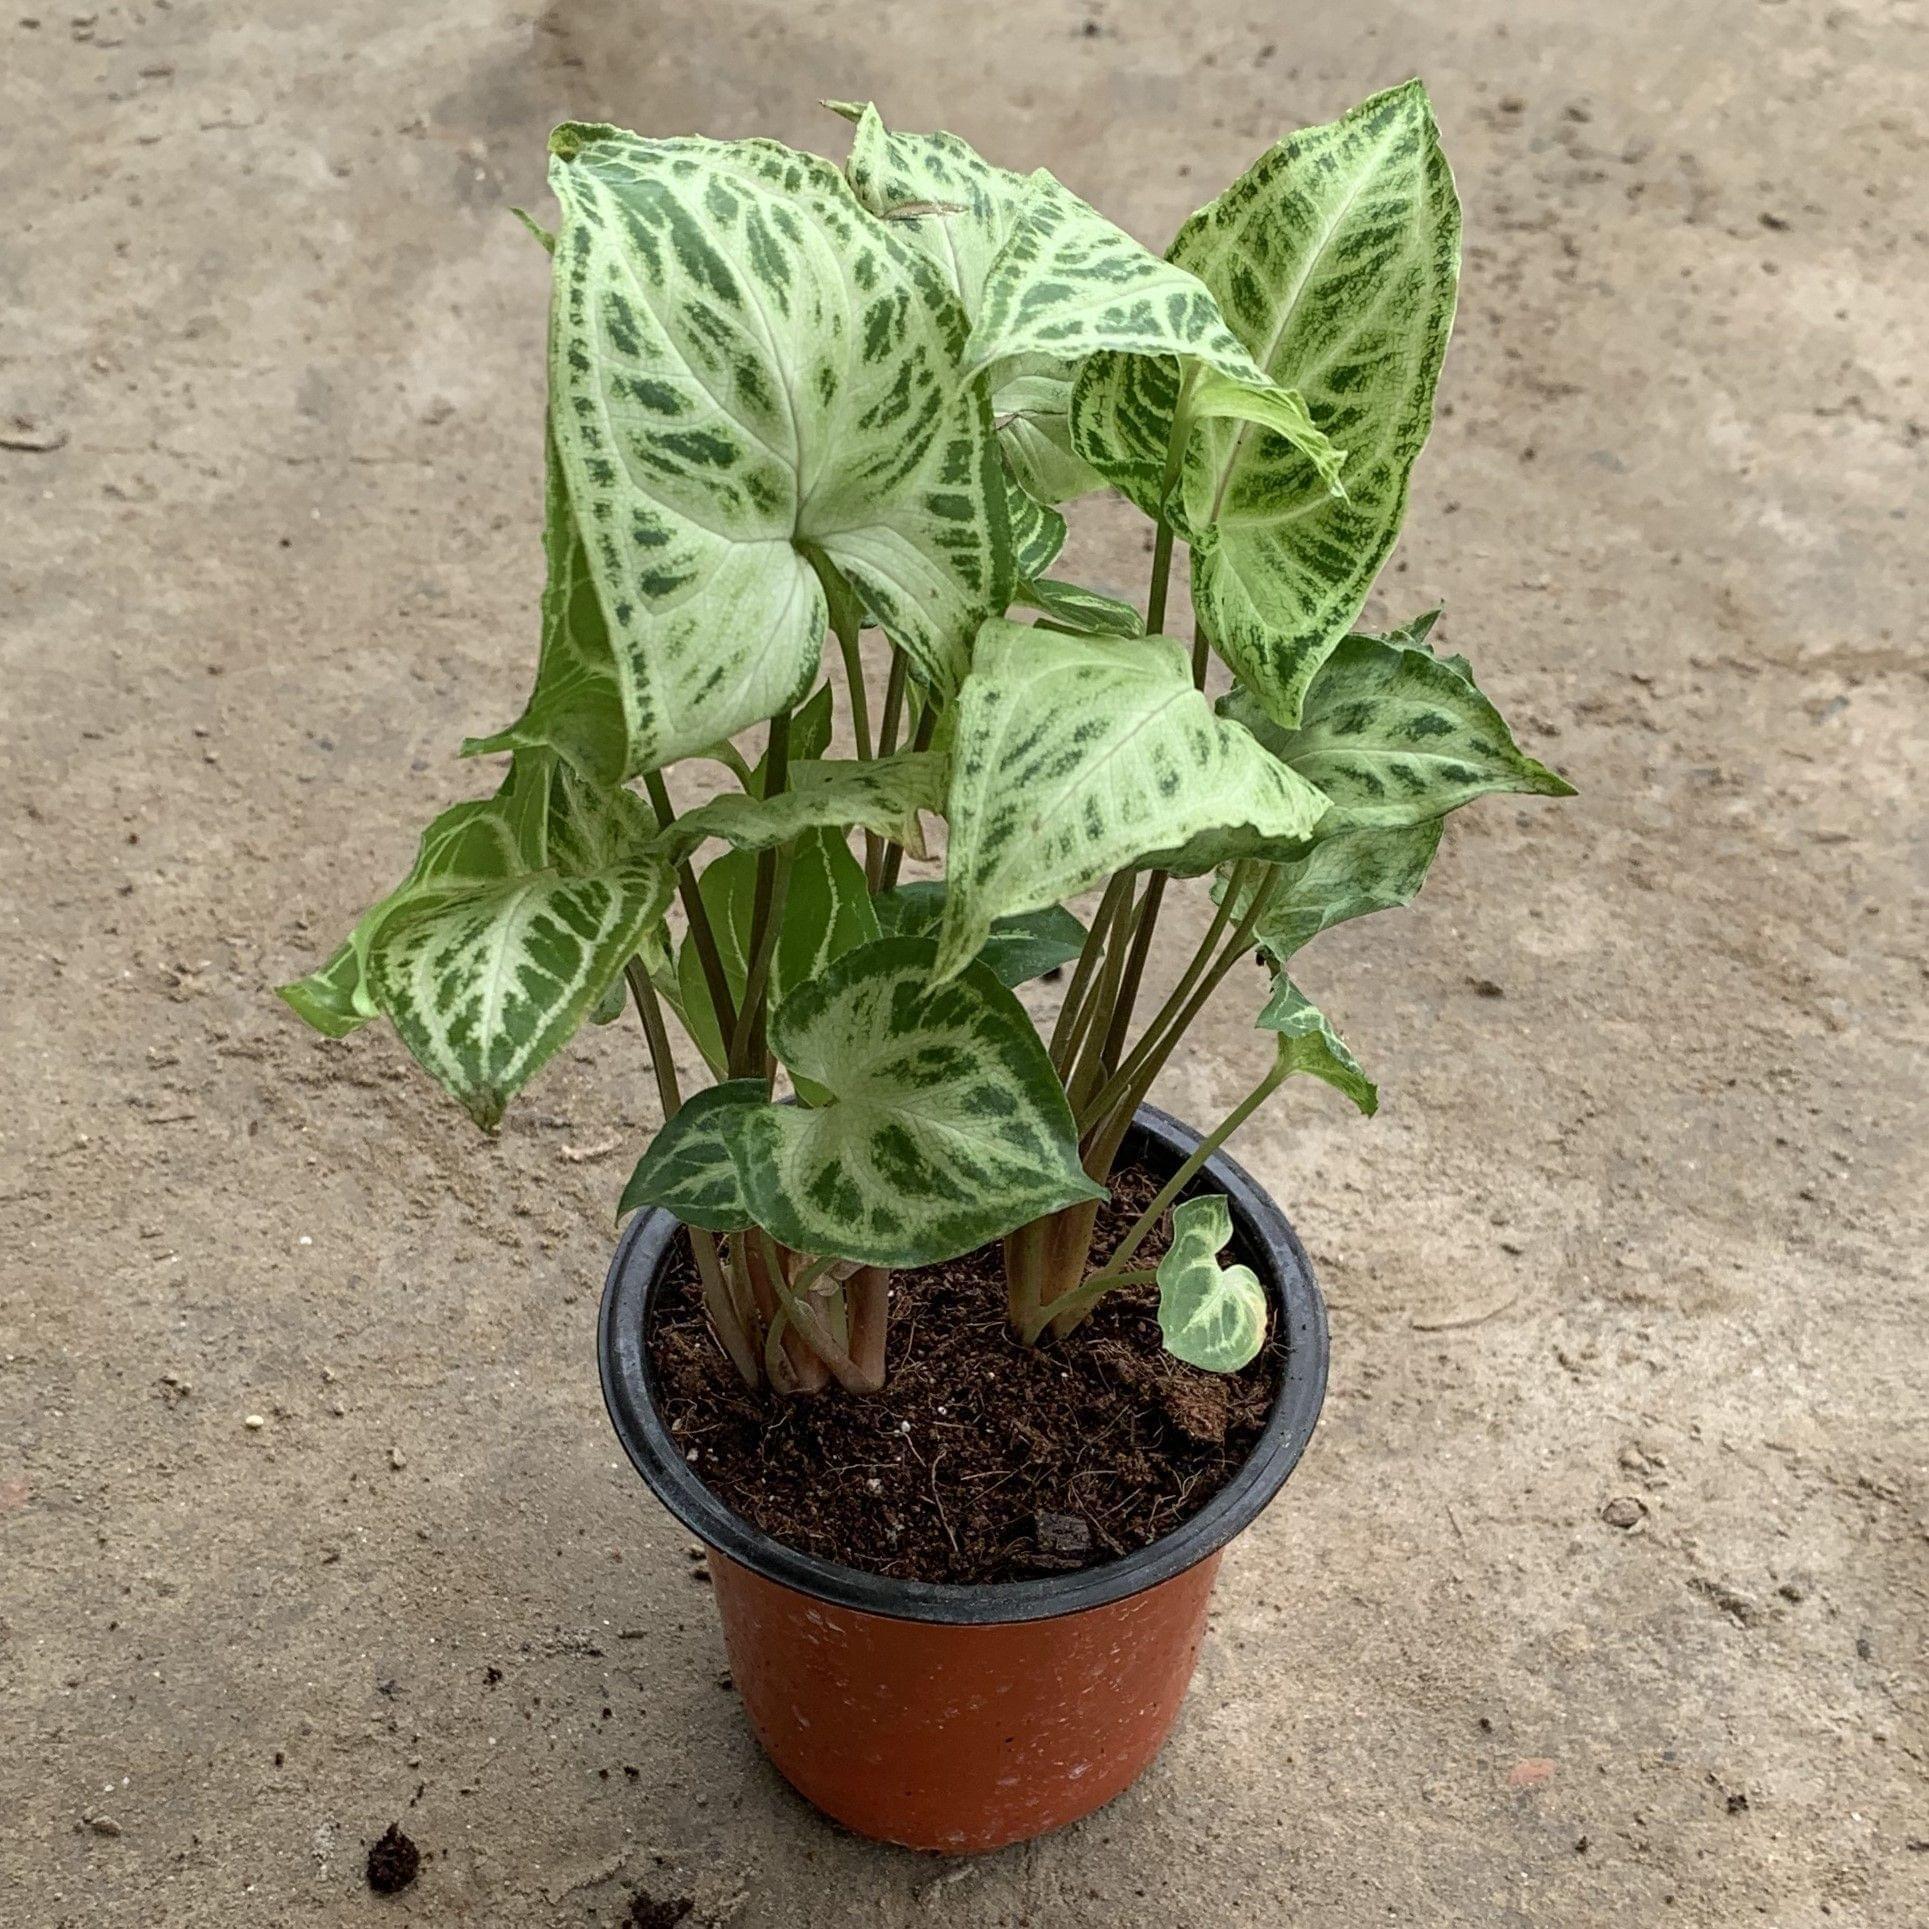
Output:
[[1210, 1316], [690, 1169], [1079, 611], [1307, 1043]]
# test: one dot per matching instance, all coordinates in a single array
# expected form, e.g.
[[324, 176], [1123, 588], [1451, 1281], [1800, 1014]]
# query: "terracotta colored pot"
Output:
[[963, 1718]]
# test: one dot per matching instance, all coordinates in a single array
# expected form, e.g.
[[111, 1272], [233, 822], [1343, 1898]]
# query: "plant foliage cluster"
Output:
[[791, 402]]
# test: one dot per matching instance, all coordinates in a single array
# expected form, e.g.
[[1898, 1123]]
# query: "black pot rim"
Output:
[[1262, 1238]]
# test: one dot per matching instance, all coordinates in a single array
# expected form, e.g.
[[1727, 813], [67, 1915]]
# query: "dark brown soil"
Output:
[[393, 1863], [648, 1913], [982, 1460]]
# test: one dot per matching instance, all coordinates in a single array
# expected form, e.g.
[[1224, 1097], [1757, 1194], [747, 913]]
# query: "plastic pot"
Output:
[[960, 1718]]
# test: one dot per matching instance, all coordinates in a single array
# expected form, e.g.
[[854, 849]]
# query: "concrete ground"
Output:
[[1639, 1224]]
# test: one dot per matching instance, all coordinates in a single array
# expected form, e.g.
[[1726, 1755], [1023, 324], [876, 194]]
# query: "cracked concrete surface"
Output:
[[1635, 1239]]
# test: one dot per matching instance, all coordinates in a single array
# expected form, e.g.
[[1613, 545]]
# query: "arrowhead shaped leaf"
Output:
[[945, 1124], [1335, 259], [1075, 757], [484, 987], [689, 1168], [1018, 949], [1307, 1043], [470, 845], [744, 361], [1210, 1316], [1348, 875], [884, 794], [1395, 736], [1067, 282]]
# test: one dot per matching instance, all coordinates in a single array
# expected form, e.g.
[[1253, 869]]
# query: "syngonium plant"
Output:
[[787, 400]]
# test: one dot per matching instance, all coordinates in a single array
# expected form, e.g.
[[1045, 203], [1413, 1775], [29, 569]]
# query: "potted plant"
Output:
[[787, 402]]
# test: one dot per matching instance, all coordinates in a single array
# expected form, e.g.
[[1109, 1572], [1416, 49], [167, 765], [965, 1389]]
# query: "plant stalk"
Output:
[[1065, 1031], [726, 1318], [747, 1035], [894, 851], [702, 933]]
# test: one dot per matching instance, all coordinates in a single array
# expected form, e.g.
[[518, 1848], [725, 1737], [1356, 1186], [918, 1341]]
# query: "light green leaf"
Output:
[[512, 927], [944, 198], [485, 985], [1413, 635], [689, 1168], [1075, 757], [884, 795], [1079, 611], [1018, 949], [944, 1125], [1394, 736], [1037, 533], [827, 911], [743, 363], [1031, 408], [1039, 271], [468, 846], [1335, 259], [1210, 1316], [581, 698], [1067, 282], [1307, 1043], [1348, 875], [1283, 411]]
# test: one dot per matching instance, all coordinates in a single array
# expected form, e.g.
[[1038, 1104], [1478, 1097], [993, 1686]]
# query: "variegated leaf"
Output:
[[1413, 635], [1210, 1316], [1037, 533], [1018, 949], [884, 794], [1280, 411], [689, 1168], [469, 846], [1067, 282], [1040, 272], [1307, 1043], [1335, 259], [948, 201], [745, 362], [1031, 408], [1079, 611], [1348, 875], [1395, 736], [944, 1123], [1075, 757], [581, 700], [827, 911], [485, 985]]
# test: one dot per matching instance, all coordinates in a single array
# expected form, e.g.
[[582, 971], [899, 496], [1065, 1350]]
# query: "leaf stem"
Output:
[[746, 1050], [702, 933], [1093, 949], [894, 851], [726, 1317], [1175, 1017]]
